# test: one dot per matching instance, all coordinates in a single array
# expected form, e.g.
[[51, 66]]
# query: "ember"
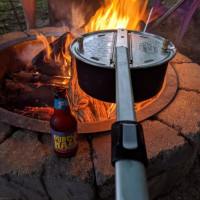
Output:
[[36, 112]]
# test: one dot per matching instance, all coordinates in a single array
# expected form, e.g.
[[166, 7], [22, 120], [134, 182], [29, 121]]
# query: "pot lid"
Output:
[[145, 50]]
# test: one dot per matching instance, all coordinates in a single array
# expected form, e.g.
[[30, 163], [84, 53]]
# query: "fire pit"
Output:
[[27, 96], [30, 169]]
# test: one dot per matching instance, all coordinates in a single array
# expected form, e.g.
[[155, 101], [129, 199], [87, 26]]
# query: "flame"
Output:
[[47, 47], [118, 14], [63, 58], [112, 15]]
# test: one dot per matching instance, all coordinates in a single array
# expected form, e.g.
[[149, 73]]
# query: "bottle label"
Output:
[[61, 103], [63, 142]]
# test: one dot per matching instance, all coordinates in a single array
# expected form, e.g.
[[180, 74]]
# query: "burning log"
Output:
[[41, 113], [27, 94], [14, 89], [86, 108], [38, 78], [50, 61], [31, 92]]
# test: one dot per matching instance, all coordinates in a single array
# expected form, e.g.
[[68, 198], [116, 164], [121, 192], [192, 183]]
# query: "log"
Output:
[[86, 108], [23, 92], [52, 67], [26, 77], [42, 113]]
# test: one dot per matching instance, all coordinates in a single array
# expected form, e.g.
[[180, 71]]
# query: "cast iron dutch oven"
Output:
[[95, 61]]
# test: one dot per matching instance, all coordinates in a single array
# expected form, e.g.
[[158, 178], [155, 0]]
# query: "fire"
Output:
[[47, 47], [113, 14], [118, 14], [63, 58], [42, 113]]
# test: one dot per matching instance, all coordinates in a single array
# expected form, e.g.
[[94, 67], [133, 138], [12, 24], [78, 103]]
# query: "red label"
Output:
[[63, 142]]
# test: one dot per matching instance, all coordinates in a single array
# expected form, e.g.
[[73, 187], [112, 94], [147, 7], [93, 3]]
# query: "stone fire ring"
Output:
[[29, 169], [161, 101]]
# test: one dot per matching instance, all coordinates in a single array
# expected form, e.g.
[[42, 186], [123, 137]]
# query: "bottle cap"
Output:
[[60, 91]]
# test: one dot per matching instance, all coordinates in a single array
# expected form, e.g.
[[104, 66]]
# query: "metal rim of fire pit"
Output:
[[165, 97]]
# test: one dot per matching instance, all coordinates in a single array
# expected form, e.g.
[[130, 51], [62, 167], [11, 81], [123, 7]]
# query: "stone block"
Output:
[[170, 158], [69, 178], [183, 113], [180, 58], [29, 169], [188, 76], [22, 153], [160, 138], [188, 188], [5, 131], [21, 165], [104, 171], [47, 30], [11, 37]]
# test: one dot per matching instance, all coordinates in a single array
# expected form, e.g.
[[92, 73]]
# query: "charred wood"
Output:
[[51, 67]]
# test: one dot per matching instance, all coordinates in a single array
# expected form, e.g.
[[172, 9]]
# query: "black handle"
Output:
[[128, 142]]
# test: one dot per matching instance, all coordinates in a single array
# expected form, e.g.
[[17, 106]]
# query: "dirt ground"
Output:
[[9, 21], [189, 188]]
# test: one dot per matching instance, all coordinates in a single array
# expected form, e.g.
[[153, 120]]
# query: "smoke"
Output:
[[29, 53], [75, 14], [77, 20]]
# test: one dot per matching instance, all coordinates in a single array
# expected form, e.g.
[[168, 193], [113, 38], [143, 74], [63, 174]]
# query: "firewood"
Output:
[[86, 108], [51, 67], [15, 88], [34, 78]]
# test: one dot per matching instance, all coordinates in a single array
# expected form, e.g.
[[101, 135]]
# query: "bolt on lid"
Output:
[[145, 50]]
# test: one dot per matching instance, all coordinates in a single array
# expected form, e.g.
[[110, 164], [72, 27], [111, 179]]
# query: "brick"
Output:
[[11, 36], [18, 153], [180, 58], [5, 131], [46, 30], [21, 164], [104, 171], [188, 76], [69, 178], [183, 113], [170, 157], [160, 138]]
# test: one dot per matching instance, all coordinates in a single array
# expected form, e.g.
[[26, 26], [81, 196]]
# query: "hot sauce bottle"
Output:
[[63, 126]]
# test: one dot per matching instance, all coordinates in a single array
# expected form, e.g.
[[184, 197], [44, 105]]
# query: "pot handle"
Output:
[[128, 148]]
